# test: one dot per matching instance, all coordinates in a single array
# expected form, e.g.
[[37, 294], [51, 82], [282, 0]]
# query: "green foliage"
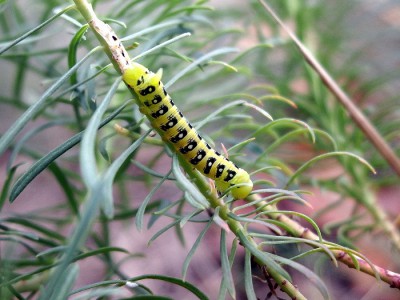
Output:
[[60, 83]]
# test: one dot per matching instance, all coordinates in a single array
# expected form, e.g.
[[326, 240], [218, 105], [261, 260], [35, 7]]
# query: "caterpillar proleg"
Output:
[[163, 114]]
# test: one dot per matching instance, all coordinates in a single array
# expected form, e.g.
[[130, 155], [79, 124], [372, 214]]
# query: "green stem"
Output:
[[85, 9], [383, 221], [297, 230], [236, 227]]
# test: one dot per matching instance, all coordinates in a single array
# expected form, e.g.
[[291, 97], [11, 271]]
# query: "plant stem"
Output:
[[355, 113], [297, 230], [237, 227], [105, 34], [114, 50]]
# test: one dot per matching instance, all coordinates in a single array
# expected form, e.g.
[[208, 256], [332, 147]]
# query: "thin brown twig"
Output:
[[358, 117], [392, 278]]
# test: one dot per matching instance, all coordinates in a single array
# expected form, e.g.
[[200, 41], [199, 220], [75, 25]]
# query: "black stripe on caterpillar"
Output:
[[163, 114]]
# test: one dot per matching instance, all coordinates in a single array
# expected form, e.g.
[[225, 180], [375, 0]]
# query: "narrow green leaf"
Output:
[[293, 134], [315, 159], [66, 285], [248, 277], [189, 9], [286, 122], [31, 134], [197, 62], [162, 230], [99, 293], [73, 49], [274, 240], [87, 154], [273, 194], [24, 36], [150, 171], [143, 205], [13, 291], [34, 226], [91, 75], [185, 219], [110, 173], [193, 250], [117, 282], [30, 237], [6, 186], [161, 45], [125, 213], [194, 290], [223, 287], [265, 257], [226, 268], [184, 184], [46, 160], [31, 112], [272, 227], [150, 29], [89, 213], [25, 276], [66, 187], [150, 297], [215, 113], [308, 273], [303, 216], [50, 251]]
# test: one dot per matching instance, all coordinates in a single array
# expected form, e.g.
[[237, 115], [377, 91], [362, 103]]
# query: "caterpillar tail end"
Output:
[[240, 187]]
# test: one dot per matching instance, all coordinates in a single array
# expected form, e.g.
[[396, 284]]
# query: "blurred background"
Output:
[[358, 43]]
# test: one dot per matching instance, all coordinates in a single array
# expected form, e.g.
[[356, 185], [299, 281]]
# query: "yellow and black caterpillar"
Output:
[[163, 114]]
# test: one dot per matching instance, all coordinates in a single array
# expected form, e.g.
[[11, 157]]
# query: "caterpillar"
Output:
[[173, 127]]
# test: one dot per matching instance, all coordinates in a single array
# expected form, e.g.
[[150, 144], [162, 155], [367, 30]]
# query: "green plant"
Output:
[[38, 250]]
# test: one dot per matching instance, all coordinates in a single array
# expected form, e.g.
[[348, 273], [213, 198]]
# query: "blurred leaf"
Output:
[[143, 205], [183, 183], [73, 49], [186, 285], [32, 31], [46, 160], [30, 113], [110, 173], [163, 230], [328, 155], [248, 277], [192, 250], [314, 279], [266, 258], [197, 62], [226, 267], [63, 287], [90, 174], [6, 186]]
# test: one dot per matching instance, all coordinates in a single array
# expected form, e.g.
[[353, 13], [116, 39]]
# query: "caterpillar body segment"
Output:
[[163, 114]]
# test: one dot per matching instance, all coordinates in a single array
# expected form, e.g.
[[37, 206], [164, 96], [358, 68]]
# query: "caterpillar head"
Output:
[[133, 73], [243, 182]]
